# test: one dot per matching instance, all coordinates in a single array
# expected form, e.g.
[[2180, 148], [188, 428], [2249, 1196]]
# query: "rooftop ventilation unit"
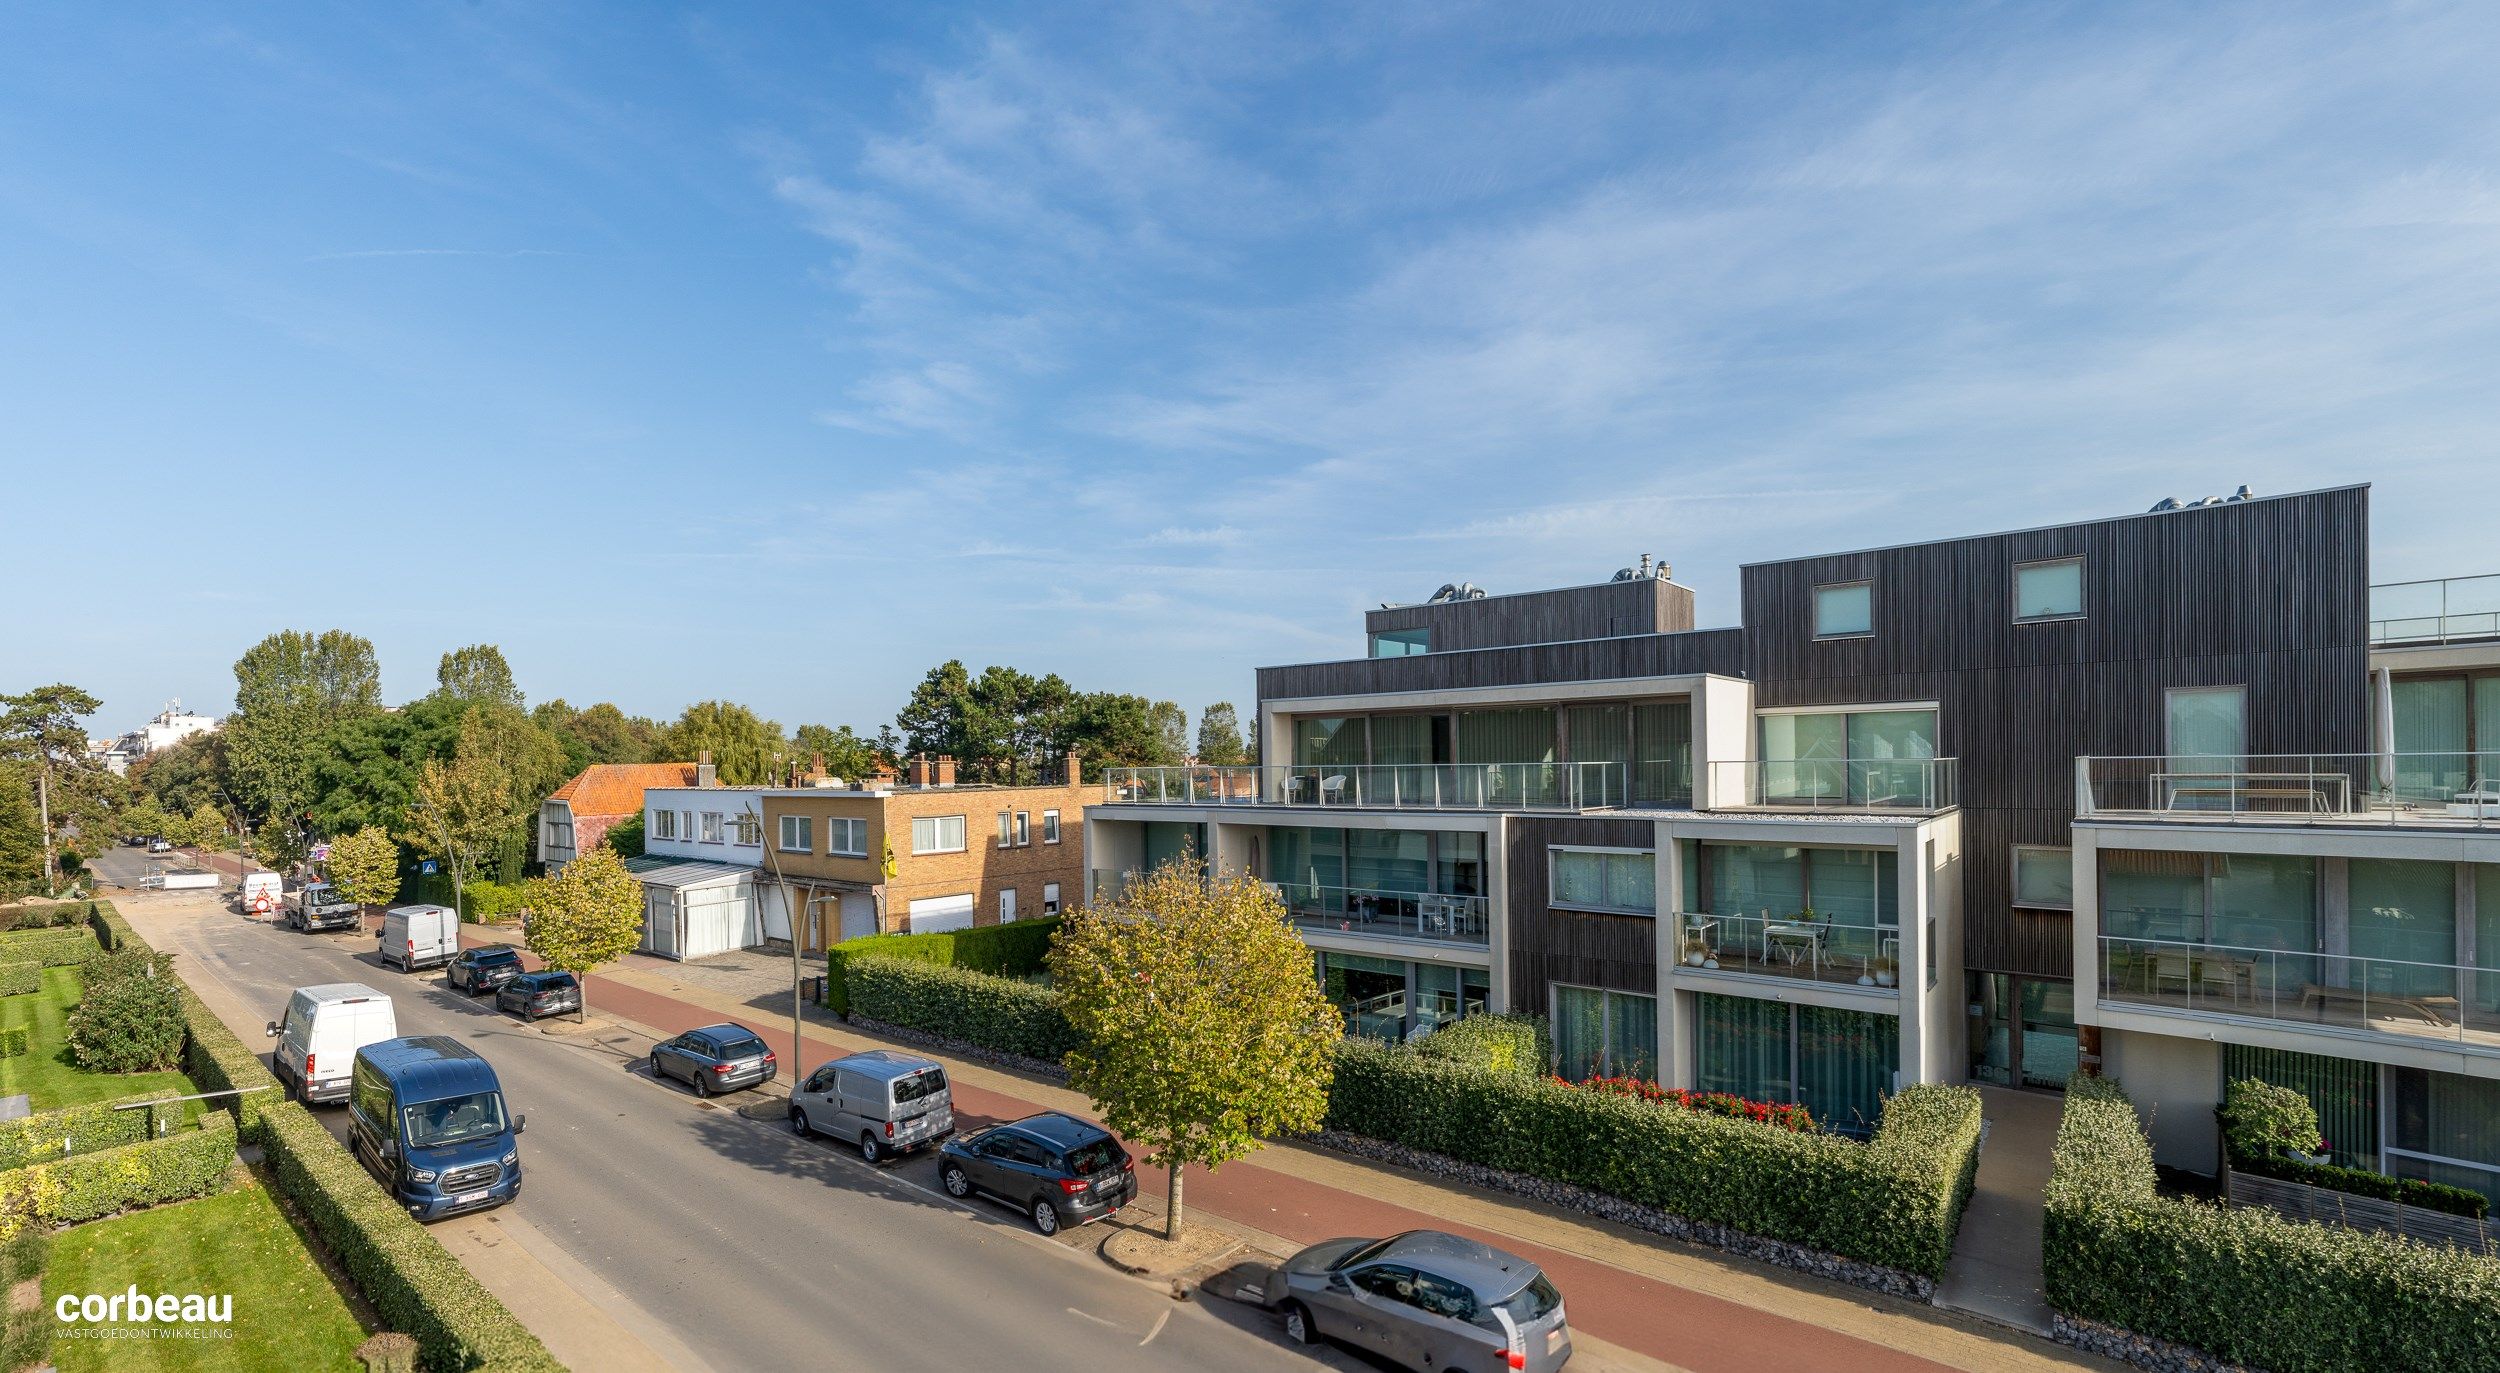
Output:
[[2168, 503], [1456, 591]]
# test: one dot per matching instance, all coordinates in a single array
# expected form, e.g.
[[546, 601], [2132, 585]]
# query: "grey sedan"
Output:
[[1426, 1300], [716, 1058]]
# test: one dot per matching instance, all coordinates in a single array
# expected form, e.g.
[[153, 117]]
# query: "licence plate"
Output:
[[465, 1198]]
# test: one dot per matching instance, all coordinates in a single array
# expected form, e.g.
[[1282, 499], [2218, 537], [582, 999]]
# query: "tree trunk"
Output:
[[43, 799], [1172, 1202]]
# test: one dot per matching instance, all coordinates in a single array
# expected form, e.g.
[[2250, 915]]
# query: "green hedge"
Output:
[[1895, 1201], [13, 1042], [50, 948], [44, 916], [993, 1012], [1011, 950], [1503, 1043], [73, 1130], [411, 1280], [84, 1187], [18, 979], [2242, 1282], [211, 1054]]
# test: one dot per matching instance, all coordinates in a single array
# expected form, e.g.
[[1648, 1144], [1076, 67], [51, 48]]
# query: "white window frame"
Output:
[[1006, 905], [1006, 831], [1816, 607], [663, 824], [940, 846], [1050, 898], [2083, 592], [1554, 900], [747, 830], [2014, 878], [838, 825], [1024, 829], [714, 830], [806, 833], [1050, 827]]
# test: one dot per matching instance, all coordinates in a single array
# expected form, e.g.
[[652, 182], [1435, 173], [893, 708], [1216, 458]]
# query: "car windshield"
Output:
[[454, 1120], [743, 1046], [928, 1082], [1359, 1255], [1533, 1302], [555, 982], [1085, 1160], [495, 958]]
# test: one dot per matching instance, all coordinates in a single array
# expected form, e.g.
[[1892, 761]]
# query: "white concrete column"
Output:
[[1910, 880], [1674, 1049], [1497, 912]]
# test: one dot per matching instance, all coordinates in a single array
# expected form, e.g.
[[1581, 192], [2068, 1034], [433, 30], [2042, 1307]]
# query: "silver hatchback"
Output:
[[1424, 1299]]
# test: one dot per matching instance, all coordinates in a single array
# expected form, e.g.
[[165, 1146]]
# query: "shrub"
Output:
[[2244, 1283], [50, 948], [18, 979], [129, 1020], [411, 1280], [2261, 1121], [211, 1054], [1501, 1043], [13, 1042], [978, 1008], [483, 900], [1011, 950], [85, 1187], [1776, 1113], [44, 916], [1895, 1201], [2430, 1196], [83, 1129]]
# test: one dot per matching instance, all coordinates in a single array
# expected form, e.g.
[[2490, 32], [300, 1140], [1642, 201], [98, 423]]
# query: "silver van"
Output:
[[889, 1103]]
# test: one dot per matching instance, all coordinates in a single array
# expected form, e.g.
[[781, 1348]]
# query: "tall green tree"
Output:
[[1002, 726], [477, 673], [585, 917], [364, 866], [365, 773], [598, 734], [1204, 1033], [1219, 736], [479, 802], [1171, 725], [747, 750], [21, 833], [846, 753], [291, 690], [1113, 729], [185, 775], [41, 729]]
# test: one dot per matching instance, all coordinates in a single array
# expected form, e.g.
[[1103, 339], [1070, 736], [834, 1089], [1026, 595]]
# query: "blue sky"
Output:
[[777, 353]]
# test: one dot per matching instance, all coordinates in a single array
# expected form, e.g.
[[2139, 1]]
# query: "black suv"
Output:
[[483, 970], [1055, 1168]]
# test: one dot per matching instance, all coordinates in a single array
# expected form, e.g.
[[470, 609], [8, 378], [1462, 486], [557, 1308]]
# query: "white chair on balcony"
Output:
[[1332, 789]]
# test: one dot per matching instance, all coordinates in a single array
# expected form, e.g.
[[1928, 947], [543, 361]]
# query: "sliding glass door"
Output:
[[1837, 1064]]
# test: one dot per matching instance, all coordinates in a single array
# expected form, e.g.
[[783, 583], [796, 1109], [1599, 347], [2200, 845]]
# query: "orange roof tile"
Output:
[[616, 788]]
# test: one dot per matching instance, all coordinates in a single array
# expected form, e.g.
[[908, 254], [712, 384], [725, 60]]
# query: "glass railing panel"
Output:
[[1444, 916], [2447, 788], [1391, 786], [2337, 991], [1836, 784], [1823, 949]]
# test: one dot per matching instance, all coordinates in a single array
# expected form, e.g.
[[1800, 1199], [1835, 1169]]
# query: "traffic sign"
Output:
[[426, 867], [321, 853]]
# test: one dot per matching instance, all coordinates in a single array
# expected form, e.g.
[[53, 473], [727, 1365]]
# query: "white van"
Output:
[[420, 936], [323, 1029], [262, 894]]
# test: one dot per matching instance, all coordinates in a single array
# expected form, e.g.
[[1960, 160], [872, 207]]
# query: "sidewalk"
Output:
[[1687, 1306], [1996, 1261]]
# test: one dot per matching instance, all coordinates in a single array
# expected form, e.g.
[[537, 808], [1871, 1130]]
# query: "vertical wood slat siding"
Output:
[[2269, 594], [1585, 949]]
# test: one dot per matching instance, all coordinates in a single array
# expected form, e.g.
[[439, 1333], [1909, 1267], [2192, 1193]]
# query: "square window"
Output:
[[712, 827], [846, 837], [2051, 590], [1844, 611], [2044, 877], [798, 834], [750, 830]]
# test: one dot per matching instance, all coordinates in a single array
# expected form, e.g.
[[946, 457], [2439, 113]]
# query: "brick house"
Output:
[[579, 814], [925, 853]]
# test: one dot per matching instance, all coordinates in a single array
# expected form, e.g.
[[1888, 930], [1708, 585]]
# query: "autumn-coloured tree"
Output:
[[1205, 1034], [584, 917], [364, 866]]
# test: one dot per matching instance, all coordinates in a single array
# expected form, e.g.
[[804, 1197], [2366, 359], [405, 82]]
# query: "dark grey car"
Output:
[[1055, 1168], [1426, 1300], [483, 969], [716, 1058], [532, 995]]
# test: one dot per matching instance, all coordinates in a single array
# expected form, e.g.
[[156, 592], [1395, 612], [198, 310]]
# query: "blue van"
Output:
[[427, 1117]]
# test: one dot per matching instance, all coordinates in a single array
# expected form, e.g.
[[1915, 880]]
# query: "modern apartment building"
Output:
[[925, 854], [1847, 843]]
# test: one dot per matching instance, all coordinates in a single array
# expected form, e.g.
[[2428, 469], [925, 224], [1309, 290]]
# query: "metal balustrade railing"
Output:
[[1379, 786], [1822, 948], [2442, 1001], [2438, 789], [1836, 784], [2437, 611]]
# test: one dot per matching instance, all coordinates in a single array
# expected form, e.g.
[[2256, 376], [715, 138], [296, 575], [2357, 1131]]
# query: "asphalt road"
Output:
[[748, 1244]]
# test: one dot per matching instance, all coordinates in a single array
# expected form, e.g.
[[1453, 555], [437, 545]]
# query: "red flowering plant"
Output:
[[1780, 1114]]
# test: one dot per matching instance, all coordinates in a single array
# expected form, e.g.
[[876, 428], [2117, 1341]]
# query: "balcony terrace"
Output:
[[2440, 1003], [2424, 790], [2439, 611], [1835, 786], [1377, 786], [1791, 947]]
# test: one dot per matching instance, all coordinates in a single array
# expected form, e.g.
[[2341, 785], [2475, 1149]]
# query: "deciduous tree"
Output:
[[477, 673], [364, 866], [585, 917], [746, 748], [291, 689], [21, 833], [846, 753], [1219, 736], [1205, 1034]]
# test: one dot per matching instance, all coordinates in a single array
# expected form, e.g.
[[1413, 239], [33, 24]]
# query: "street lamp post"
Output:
[[798, 999]]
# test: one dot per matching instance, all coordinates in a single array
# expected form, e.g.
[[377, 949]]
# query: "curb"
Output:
[[1233, 1244]]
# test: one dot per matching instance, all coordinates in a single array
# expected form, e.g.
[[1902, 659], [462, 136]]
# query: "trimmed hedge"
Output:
[[412, 1281], [2242, 1282], [211, 1054], [73, 1130], [1502, 1043], [37, 916], [49, 948], [1011, 950], [18, 979], [84, 1187], [979, 1008], [1895, 1201]]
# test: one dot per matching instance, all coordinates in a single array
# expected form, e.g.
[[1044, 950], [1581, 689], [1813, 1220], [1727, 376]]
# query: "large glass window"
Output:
[[1401, 739], [2487, 729], [2404, 917], [1165, 840], [1844, 611], [1601, 735], [1869, 757], [1837, 1064], [2447, 1127], [2044, 878], [2431, 720], [1605, 1034], [1371, 992], [2208, 725], [2268, 903], [1401, 643], [2050, 590], [1856, 891], [1522, 738], [1587, 879], [1662, 753], [1742, 1048], [1329, 741], [2344, 1094]]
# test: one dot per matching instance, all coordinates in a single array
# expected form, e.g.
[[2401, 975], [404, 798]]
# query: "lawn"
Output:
[[287, 1315], [44, 1072]]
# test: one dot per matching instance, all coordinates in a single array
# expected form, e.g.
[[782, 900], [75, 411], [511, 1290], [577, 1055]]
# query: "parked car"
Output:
[[320, 906], [260, 893], [159, 846], [426, 1116], [319, 1033], [532, 995], [483, 969], [889, 1103], [419, 936], [1059, 1170], [716, 1058], [1424, 1299]]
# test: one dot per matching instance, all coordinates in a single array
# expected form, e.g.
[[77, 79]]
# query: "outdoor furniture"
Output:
[[1794, 939], [2480, 801], [1332, 789], [2318, 793], [2170, 967]]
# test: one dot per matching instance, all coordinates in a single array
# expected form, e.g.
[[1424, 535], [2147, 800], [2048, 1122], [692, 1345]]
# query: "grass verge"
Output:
[[44, 1072]]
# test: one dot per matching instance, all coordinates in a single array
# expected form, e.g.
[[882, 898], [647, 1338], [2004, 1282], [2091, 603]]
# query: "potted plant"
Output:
[[1887, 971]]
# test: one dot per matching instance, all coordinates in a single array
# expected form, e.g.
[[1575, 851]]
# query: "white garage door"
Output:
[[937, 913]]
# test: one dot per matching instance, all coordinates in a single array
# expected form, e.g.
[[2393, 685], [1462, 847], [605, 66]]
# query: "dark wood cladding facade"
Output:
[[1578, 948], [1640, 605], [2271, 595]]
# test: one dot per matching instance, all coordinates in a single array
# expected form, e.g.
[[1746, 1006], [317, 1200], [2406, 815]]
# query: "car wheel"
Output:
[[1298, 1325], [870, 1149], [702, 1085], [956, 1181], [1045, 1216], [798, 1123]]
